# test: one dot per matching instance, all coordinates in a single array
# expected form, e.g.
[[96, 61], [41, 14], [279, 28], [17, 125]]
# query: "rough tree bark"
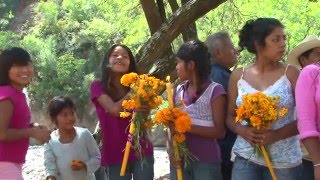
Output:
[[152, 15], [149, 56], [191, 31], [154, 11]]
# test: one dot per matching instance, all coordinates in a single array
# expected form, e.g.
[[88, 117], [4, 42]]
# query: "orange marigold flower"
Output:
[[255, 121], [259, 110], [160, 118], [148, 124], [128, 79], [182, 124], [178, 137]]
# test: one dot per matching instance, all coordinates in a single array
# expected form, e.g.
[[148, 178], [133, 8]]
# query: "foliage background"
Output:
[[68, 38]]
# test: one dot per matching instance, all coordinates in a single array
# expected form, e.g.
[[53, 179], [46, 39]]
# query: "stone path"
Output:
[[33, 169]]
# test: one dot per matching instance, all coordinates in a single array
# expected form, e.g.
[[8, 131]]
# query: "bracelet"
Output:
[[315, 165]]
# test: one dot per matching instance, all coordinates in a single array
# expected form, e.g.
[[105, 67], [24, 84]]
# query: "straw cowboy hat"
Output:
[[308, 43]]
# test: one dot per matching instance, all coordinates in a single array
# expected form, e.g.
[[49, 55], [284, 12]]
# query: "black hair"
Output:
[[57, 104], [254, 32], [197, 52], [8, 58], [105, 66], [305, 54]]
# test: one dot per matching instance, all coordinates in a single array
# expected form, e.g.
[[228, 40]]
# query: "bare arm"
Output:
[[114, 108], [7, 134], [218, 112], [232, 96], [313, 146]]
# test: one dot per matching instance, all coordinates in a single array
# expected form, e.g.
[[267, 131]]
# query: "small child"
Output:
[[72, 153]]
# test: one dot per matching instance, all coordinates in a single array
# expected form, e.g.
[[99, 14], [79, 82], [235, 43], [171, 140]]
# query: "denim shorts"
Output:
[[244, 169], [137, 170], [199, 171]]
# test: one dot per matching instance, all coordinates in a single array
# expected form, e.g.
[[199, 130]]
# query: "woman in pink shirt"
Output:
[[107, 95], [308, 112], [16, 71]]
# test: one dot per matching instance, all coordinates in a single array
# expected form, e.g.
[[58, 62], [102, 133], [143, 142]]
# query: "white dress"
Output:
[[58, 156]]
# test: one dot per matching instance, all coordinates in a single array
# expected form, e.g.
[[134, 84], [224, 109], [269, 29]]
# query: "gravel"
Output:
[[33, 169]]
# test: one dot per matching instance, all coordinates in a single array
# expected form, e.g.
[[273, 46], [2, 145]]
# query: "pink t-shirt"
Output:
[[15, 151], [308, 101], [114, 132]]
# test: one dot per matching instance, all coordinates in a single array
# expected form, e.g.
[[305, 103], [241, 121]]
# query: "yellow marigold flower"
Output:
[[255, 121], [283, 112], [128, 79], [125, 114], [259, 110], [178, 137], [156, 101]]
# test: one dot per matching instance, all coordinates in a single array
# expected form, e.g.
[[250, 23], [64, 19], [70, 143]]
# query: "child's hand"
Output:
[[77, 165]]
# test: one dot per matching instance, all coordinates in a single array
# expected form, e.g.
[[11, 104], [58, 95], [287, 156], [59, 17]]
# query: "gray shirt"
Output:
[[58, 156]]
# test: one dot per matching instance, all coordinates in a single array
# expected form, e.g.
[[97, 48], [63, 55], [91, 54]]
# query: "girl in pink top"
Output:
[[16, 71], [308, 112], [107, 95]]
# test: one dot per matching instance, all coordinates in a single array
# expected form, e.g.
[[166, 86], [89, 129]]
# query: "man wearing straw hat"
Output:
[[305, 53]]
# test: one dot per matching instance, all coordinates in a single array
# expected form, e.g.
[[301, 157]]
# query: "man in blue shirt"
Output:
[[223, 57]]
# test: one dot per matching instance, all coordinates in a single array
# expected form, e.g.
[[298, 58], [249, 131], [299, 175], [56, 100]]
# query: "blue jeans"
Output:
[[135, 169], [244, 169], [198, 171], [100, 174], [308, 172]]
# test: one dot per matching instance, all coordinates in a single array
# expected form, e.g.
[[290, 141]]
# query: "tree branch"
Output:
[[153, 49]]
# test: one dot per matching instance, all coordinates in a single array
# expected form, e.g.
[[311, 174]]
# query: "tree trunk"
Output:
[[152, 15], [148, 57], [156, 17], [191, 32]]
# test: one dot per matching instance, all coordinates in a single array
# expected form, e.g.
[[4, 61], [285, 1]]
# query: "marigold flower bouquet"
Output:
[[144, 93], [260, 111], [178, 122]]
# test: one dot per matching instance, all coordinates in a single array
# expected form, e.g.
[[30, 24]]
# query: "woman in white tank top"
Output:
[[265, 38]]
